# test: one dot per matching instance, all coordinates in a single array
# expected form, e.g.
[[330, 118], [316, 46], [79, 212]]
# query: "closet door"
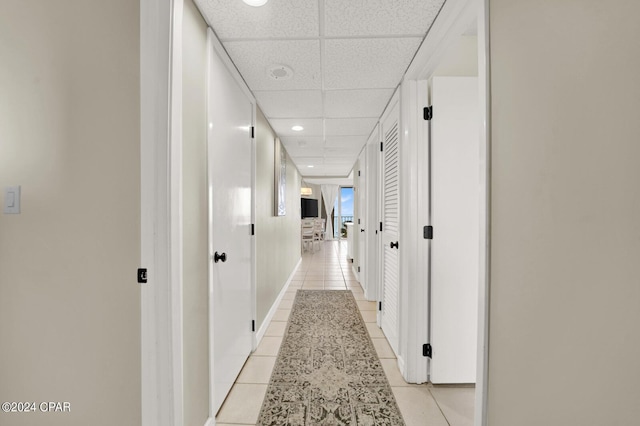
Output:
[[455, 212], [230, 151], [362, 222], [371, 215], [390, 198]]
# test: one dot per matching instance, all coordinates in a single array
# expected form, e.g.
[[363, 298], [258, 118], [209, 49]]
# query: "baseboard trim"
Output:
[[274, 307], [356, 273]]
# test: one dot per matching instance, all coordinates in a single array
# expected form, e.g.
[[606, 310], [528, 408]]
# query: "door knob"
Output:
[[362, 230], [217, 257], [394, 244]]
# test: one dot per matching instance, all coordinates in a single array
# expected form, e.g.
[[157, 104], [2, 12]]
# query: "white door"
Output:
[[390, 226], [362, 223], [371, 216], [455, 162], [230, 154]]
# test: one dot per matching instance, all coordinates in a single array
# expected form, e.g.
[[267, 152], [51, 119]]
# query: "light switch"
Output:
[[12, 200]]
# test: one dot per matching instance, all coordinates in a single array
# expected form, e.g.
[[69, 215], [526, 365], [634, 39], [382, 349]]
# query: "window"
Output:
[[344, 212]]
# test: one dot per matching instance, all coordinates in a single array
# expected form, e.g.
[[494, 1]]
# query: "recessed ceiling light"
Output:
[[255, 3], [297, 128], [311, 167]]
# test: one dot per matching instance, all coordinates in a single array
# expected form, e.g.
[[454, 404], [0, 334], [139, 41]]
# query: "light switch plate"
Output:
[[12, 200]]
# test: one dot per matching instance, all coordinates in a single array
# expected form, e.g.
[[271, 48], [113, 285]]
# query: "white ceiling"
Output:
[[347, 57]]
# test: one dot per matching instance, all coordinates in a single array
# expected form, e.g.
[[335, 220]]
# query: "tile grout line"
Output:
[[439, 408]]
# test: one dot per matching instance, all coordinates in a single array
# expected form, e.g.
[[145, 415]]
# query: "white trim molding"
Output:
[[454, 19], [176, 205], [161, 296], [413, 274], [484, 80]]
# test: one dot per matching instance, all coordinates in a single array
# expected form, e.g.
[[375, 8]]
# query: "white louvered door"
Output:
[[390, 226]]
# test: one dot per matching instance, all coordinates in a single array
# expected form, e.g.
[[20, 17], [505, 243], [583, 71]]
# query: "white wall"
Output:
[[195, 224], [70, 135], [565, 206], [277, 237], [461, 58]]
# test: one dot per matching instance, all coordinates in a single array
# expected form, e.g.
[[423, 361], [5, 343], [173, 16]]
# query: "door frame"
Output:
[[162, 387], [394, 102], [161, 214], [160, 112], [452, 21], [371, 150]]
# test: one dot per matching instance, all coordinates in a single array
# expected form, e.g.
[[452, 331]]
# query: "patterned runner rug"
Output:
[[327, 371]]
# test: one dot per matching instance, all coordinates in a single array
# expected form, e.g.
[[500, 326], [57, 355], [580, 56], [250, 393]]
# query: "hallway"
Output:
[[328, 268]]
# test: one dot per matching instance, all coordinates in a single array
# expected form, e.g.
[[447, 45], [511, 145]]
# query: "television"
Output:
[[309, 207]]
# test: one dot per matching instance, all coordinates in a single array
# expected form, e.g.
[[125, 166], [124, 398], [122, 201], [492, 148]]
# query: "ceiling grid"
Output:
[[346, 58]]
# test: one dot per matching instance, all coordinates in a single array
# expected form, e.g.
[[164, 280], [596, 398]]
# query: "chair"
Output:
[[319, 228], [318, 231], [307, 234]]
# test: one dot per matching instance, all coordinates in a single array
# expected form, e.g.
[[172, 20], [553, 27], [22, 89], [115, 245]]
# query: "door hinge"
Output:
[[380, 305], [253, 132], [427, 112], [358, 269], [380, 146], [253, 325], [142, 275], [380, 226], [427, 232], [358, 221], [253, 229], [426, 350], [358, 172]]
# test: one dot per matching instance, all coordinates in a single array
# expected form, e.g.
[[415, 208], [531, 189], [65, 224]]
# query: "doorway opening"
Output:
[[344, 213]]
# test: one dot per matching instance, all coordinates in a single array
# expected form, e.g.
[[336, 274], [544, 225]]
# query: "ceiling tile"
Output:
[[342, 162], [293, 103], [314, 171], [338, 170], [233, 19], [309, 160], [303, 141], [366, 47], [367, 63], [333, 154], [312, 127], [349, 126], [379, 17], [333, 151], [305, 152], [254, 58], [345, 141], [356, 103]]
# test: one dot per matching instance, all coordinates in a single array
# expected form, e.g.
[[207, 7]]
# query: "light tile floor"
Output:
[[328, 268]]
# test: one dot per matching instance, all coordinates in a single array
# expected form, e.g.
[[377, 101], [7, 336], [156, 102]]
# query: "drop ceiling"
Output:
[[329, 66]]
